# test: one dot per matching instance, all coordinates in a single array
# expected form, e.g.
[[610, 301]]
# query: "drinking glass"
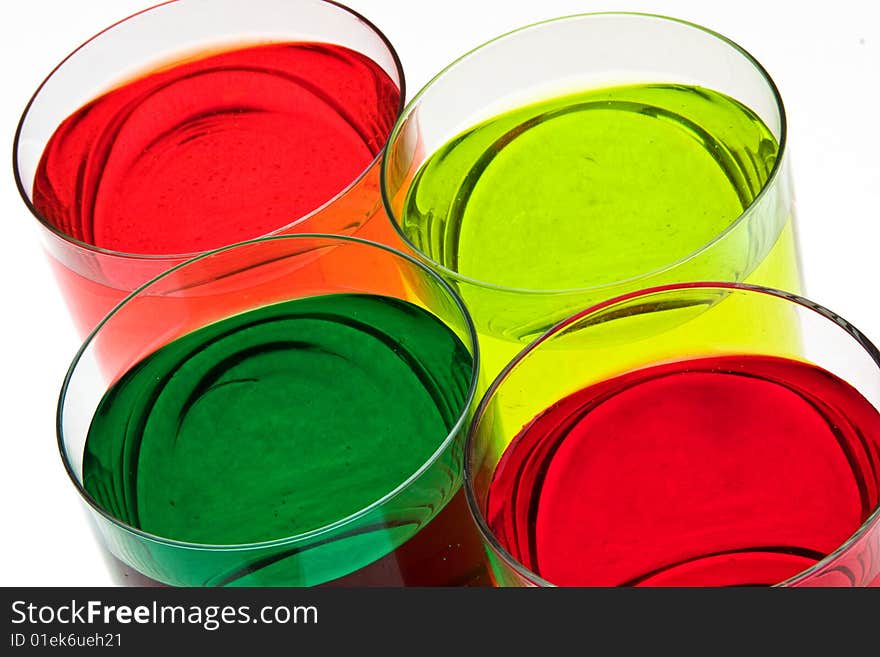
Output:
[[550, 59], [94, 279], [419, 533], [725, 450]]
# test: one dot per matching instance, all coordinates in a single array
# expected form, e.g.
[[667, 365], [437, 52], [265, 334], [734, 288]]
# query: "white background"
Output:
[[825, 58]]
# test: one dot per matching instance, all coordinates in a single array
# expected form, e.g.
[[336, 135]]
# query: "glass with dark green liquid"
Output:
[[288, 413], [586, 157]]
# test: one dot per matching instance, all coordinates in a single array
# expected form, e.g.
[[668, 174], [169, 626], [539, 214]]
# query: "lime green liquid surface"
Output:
[[594, 194]]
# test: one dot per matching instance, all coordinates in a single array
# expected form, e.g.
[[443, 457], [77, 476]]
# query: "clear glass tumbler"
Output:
[[90, 137], [738, 444], [283, 364], [532, 214]]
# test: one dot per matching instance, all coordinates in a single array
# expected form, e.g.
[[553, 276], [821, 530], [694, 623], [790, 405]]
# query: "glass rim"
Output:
[[470, 494], [459, 425], [414, 104], [54, 230]]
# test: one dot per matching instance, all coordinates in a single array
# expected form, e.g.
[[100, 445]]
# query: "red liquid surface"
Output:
[[738, 470], [216, 150]]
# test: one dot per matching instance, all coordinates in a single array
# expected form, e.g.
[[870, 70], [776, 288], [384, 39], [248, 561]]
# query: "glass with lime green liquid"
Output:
[[536, 204]]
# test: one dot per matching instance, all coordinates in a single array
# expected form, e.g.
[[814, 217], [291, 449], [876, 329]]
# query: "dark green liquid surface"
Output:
[[277, 421]]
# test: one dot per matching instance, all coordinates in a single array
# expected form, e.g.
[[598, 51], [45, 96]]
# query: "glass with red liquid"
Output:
[[705, 434], [201, 123]]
